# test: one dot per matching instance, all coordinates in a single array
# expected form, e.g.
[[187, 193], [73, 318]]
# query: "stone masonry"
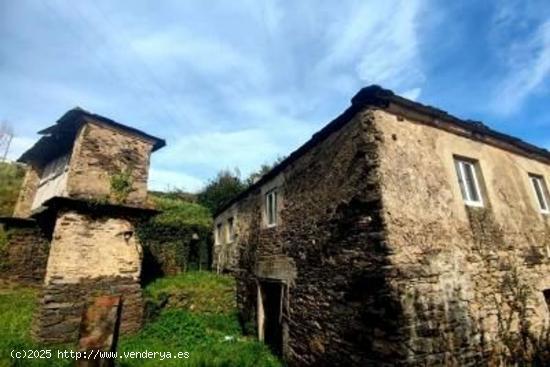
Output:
[[381, 262], [100, 152], [86, 189], [26, 194], [326, 249], [25, 257]]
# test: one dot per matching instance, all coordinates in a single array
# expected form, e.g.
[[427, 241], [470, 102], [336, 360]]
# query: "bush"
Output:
[[178, 239], [176, 212]]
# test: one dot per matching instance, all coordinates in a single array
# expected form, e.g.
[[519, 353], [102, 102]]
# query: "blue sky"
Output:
[[238, 83]]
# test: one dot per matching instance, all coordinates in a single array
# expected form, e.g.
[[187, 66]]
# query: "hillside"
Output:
[[11, 177]]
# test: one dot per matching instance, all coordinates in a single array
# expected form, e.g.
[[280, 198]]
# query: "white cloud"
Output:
[[165, 180], [18, 146], [529, 68], [244, 149], [234, 86], [380, 42], [412, 94], [179, 52], [217, 149]]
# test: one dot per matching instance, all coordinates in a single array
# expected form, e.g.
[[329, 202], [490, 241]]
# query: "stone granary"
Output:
[[73, 226], [397, 235]]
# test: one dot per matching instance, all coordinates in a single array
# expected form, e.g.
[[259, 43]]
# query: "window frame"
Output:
[[230, 230], [219, 232], [271, 213], [460, 163], [538, 183]]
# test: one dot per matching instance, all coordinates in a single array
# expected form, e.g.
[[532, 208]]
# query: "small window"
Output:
[[219, 233], [271, 208], [230, 230], [468, 182], [541, 193]]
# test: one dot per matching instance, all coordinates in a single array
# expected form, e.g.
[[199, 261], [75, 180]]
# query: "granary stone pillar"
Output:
[[94, 252]]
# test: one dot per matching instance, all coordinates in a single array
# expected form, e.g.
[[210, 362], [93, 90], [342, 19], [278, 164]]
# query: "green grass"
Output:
[[199, 292], [17, 305], [210, 340], [199, 318]]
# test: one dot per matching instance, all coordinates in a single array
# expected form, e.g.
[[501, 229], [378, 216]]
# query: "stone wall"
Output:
[[26, 194], [327, 249], [382, 261], [90, 255], [25, 254], [62, 304], [99, 154], [461, 272], [84, 246]]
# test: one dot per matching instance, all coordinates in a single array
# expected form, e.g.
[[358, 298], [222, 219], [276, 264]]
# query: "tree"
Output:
[[264, 168], [6, 136], [220, 190]]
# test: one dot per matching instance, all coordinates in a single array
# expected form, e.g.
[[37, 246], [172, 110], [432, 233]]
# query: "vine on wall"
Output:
[[121, 185]]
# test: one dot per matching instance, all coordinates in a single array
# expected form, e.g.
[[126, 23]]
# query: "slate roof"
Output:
[[377, 96], [59, 138]]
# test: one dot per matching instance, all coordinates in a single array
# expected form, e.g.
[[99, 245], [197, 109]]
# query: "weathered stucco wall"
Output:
[[326, 249], [89, 256], [26, 194], [459, 269], [101, 152]]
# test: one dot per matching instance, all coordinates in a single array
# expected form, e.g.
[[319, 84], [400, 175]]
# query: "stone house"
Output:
[[397, 235], [72, 230]]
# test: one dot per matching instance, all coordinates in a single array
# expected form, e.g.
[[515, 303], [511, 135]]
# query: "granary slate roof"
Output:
[[377, 96], [59, 138]]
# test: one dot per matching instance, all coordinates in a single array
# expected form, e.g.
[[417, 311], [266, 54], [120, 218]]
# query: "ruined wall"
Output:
[[327, 249], [102, 154], [26, 194], [25, 255], [89, 256], [461, 271]]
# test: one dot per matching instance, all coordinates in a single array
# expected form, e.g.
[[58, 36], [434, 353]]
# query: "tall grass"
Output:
[[17, 305]]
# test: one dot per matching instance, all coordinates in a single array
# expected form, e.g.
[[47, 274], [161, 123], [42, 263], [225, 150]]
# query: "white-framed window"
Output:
[[230, 229], [219, 234], [541, 192], [271, 208], [468, 181]]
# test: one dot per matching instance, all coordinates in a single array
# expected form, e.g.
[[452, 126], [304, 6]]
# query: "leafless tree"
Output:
[[6, 136]]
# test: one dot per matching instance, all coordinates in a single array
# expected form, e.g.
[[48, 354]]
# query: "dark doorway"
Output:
[[546, 293], [272, 301]]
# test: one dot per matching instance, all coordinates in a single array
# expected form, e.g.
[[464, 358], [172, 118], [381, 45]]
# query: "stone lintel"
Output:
[[280, 268]]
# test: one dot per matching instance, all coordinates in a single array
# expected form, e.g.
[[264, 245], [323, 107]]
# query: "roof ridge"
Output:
[[376, 96]]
